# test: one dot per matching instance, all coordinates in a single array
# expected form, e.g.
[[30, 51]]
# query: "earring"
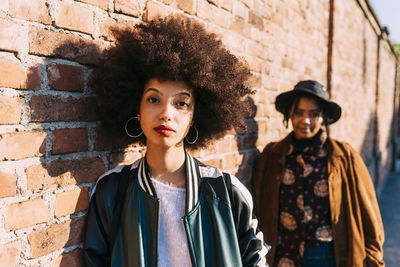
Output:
[[126, 128], [197, 136]]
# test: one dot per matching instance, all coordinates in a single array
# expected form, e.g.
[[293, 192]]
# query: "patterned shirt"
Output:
[[304, 211]]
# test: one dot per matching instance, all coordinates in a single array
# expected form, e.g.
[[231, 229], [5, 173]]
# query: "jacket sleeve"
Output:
[[253, 249], [96, 244], [371, 216]]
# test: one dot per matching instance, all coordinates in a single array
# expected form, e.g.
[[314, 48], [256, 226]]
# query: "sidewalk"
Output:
[[389, 204]]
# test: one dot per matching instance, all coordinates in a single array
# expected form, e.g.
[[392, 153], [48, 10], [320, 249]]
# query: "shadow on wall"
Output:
[[372, 154], [75, 150], [246, 143], [370, 149]]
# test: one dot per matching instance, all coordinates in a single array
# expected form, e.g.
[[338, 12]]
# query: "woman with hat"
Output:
[[172, 86], [313, 194]]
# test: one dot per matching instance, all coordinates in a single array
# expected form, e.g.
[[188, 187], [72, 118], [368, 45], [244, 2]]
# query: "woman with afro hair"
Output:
[[171, 86]]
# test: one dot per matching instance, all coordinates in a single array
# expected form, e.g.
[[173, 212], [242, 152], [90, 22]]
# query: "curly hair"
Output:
[[177, 50]]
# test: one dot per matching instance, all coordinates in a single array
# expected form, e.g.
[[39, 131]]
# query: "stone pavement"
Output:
[[389, 203]]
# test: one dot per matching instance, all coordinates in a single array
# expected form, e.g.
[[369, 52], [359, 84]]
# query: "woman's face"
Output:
[[166, 112], [306, 118]]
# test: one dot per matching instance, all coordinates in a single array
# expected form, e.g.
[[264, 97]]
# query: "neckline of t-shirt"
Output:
[[168, 186]]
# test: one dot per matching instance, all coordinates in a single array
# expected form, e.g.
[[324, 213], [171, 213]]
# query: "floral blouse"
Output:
[[304, 211]]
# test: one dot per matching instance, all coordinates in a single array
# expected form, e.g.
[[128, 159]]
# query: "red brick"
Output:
[[154, 10], [263, 9], [27, 213], [10, 110], [56, 236], [128, 7], [15, 75], [222, 18], [262, 126], [20, 145], [69, 140], [71, 259], [63, 172], [248, 3], [10, 253], [211, 150], [8, 184], [275, 124], [103, 4], [71, 201], [233, 145], [240, 10], [256, 20], [214, 162], [179, 15], [52, 108], [240, 26], [11, 36], [189, 6], [33, 78], [255, 64], [226, 4], [167, 2], [109, 24], [106, 27], [65, 77], [264, 97], [234, 42], [205, 10], [48, 43], [30, 10], [75, 17], [254, 81], [223, 145], [231, 161], [126, 158], [107, 140]]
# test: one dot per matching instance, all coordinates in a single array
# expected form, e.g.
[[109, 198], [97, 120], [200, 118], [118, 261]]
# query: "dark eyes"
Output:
[[182, 104], [179, 104], [153, 99], [312, 114], [316, 114]]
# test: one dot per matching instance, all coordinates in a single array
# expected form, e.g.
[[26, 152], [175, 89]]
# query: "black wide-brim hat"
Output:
[[284, 101]]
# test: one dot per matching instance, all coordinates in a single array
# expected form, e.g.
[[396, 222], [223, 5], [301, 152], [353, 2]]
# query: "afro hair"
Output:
[[177, 50]]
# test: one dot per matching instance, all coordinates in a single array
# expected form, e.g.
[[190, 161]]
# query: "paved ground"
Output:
[[389, 203]]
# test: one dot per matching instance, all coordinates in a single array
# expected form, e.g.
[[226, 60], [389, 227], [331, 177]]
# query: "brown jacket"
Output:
[[356, 220]]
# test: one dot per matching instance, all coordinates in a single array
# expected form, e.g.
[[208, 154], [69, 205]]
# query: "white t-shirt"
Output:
[[172, 244]]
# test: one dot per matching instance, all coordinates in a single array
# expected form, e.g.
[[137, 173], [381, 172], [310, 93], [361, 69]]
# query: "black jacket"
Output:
[[219, 223]]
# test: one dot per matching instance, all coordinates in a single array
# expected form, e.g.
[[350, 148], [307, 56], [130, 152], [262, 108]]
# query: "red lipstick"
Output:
[[164, 130]]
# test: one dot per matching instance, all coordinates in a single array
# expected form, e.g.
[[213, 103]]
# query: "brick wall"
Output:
[[364, 75], [52, 147]]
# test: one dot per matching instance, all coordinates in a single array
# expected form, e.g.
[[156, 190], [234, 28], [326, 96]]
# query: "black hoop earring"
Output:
[[126, 128], [197, 136]]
